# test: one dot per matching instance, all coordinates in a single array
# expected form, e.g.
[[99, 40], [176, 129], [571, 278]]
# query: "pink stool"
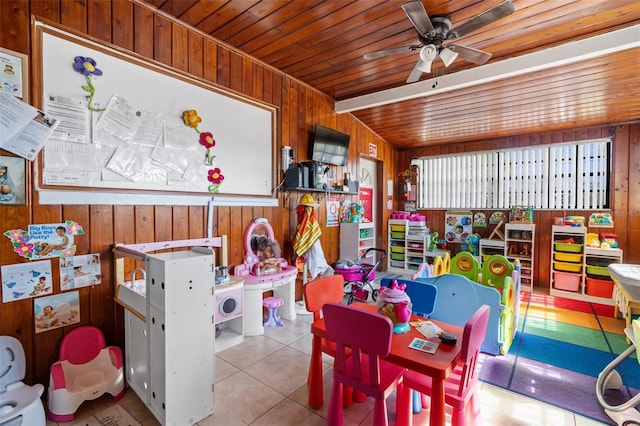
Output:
[[272, 304]]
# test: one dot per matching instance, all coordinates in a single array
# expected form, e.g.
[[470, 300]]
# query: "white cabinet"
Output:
[[519, 245], [356, 239], [580, 272], [169, 339]]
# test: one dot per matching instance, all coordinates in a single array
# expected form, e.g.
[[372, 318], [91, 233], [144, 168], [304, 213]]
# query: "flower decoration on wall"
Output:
[[192, 119], [87, 67], [74, 228], [19, 238]]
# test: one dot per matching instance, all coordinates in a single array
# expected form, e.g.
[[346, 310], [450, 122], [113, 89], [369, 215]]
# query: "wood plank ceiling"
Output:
[[322, 43]]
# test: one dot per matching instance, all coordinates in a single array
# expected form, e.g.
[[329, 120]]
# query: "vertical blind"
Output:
[[559, 176]]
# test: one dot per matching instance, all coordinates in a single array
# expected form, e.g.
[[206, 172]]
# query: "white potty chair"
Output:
[[20, 404]]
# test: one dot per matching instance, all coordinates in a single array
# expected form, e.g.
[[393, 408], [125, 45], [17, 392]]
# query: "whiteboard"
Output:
[[244, 129]]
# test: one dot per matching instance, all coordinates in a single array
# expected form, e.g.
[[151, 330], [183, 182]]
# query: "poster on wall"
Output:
[[25, 280], [366, 201], [56, 311], [50, 240], [458, 224], [80, 271], [333, 210], [12, 180]]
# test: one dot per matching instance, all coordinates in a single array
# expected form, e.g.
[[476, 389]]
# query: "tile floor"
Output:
[[262, 382]]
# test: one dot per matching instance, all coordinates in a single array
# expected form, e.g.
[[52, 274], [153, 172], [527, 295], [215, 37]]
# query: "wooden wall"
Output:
[[625, 196], [135, 28]]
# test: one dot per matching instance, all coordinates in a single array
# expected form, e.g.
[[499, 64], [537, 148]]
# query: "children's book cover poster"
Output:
[[80, 271], [457, 226], [25, 280], [50, 240], [56, 311]]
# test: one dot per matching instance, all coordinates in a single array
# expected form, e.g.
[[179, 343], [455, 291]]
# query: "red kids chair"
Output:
[[87, 369], [461, 387]]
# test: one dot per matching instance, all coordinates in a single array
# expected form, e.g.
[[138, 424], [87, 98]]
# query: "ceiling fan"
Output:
[[435, 31]]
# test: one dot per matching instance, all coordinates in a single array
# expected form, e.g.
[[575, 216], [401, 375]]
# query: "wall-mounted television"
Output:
[[330, 146]]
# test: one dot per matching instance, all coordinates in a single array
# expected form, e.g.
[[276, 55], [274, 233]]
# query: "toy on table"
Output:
[[609, 240], [471, 244], [592, 240], [433, 241], [268, 251], [574, 221], [356, 212], [344, 211], [522, 214], [394, 303]]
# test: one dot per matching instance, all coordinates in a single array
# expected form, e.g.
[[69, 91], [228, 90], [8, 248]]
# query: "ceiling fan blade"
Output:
[[416, 73], [387, 52], [487, 17], [470, 54], [418, 16]]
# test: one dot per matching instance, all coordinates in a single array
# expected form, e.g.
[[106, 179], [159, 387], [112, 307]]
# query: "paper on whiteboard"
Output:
[[73, 115], [119, 122], [72, 156]]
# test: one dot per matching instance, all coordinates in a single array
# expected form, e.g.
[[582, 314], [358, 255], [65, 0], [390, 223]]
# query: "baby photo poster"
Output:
[[80, 271], [25, 280], [56, 311], [50, 240]]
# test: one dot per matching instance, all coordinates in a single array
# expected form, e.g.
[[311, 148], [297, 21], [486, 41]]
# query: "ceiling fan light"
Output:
[[427, 55], [448, 56]]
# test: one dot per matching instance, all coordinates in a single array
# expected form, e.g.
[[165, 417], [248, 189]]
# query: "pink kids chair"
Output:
[[87, 369], [368, 334], [20, 404]]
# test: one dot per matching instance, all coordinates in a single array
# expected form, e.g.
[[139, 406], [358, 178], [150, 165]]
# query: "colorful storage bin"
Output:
[[598, 270], [566, 281], [568, 247], [397, 256], [399, 228], [397, 249], [567, 267], [599, 288], [397, 235], [568, 257]]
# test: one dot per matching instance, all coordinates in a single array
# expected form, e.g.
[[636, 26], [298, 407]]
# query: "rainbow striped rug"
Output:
[[560, 348]]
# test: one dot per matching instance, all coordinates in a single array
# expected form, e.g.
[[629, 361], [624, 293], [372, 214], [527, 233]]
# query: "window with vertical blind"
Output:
[[569, 176]]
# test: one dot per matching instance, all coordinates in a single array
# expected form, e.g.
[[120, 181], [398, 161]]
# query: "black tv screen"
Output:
[[330, 146]]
